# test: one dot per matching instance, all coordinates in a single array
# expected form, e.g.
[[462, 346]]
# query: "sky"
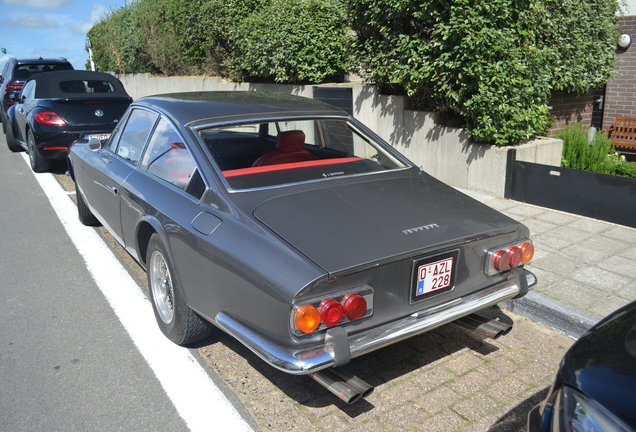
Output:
[[50, 28]]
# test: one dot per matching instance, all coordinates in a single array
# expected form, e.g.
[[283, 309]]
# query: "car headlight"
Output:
[[579, 413]]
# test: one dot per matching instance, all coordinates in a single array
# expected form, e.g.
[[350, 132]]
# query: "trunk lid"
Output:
[[86, 114], [353, 225]]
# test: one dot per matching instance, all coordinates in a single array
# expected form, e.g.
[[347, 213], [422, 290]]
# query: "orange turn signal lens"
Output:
[[527, 252], [306, 318]]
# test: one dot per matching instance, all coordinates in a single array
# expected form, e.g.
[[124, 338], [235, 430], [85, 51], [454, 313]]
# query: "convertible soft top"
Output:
[[72, 84]]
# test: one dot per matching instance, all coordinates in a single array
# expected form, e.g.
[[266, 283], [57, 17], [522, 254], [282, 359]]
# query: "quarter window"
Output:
[[167, 156], [135, 134]]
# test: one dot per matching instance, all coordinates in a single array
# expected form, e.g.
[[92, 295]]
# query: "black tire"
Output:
[[38, 163], [12, 143], [176, 320], [85, 214]]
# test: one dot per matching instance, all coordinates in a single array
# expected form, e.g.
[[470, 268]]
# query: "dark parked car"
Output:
[[57, 108], [289, 225], [16, 72], [595, 387]]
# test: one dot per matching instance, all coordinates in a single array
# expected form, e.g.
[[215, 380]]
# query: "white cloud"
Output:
[[99, 11], [38, 4], [82, 27], [37, 21]]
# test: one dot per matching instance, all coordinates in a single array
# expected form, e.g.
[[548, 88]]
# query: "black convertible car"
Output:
[[56, 108], [289, 225], [595, 388]]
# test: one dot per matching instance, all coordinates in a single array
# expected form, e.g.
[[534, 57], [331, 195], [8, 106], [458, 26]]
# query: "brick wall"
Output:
[[619, 96], [568, 109]]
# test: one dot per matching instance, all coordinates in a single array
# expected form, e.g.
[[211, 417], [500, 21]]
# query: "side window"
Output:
[[114, 139], [28, 91], [167, 156], [135, 134]]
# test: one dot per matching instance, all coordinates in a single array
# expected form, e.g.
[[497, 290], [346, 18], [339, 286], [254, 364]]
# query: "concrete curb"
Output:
[[552, 313]]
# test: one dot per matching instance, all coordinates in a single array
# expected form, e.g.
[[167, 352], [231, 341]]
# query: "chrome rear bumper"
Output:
[[339, 347]]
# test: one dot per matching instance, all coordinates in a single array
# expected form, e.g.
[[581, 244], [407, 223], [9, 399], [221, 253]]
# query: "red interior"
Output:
[[286, 166]]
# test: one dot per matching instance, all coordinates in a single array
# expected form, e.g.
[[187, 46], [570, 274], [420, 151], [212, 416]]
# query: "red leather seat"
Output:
[[290, 147]]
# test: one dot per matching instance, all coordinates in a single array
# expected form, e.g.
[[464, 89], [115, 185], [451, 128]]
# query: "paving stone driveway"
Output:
[[449, 379]]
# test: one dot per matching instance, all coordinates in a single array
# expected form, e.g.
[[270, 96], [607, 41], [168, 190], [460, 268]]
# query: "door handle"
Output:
[[115, 191]]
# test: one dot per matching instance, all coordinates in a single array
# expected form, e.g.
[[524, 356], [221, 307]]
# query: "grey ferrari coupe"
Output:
[[288, 224]]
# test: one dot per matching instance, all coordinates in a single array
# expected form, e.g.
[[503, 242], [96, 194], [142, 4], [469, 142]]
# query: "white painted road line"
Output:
[[197, 399]]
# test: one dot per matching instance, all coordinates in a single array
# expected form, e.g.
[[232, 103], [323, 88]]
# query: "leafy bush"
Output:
[[179, 36], [290, 41], [598, 156], [117, 43], [492, 61]]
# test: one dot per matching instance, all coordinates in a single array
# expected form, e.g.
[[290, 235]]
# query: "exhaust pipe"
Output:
[[343, 384], [485, 326]]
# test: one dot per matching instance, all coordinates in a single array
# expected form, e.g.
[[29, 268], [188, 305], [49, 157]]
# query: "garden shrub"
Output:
[[598, 156], [290, 41], [117, 43], [494, 62], [180, 36]]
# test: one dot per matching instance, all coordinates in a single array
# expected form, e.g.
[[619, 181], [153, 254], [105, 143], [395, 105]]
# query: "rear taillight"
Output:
[[14, 86], [306, 318], [515, 255], [500, 260], [355, 306], [504, 258], [49, 118], [332, 311]]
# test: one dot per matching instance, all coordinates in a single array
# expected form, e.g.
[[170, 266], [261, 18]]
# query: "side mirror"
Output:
[[94, 144]]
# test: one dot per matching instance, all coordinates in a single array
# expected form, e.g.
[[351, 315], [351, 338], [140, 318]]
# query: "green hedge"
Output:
[[291, 41], [117, 43], [494, 62]]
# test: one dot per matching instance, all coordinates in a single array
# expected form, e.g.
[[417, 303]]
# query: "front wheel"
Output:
[[176, 320], [38, 163]]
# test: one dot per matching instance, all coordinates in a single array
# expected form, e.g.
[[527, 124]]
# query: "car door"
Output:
[[105, 170], [166, 186]]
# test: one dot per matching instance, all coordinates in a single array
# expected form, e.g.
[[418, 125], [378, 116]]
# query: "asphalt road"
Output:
[[67, 362]]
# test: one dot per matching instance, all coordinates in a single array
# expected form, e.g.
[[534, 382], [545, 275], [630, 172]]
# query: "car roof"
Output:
[[48, 84], [200, 108]]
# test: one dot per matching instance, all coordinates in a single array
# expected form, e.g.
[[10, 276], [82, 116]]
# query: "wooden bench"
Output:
[[622, 134]]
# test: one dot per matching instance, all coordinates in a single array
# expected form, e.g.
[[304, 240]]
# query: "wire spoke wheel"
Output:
[[162, 287]]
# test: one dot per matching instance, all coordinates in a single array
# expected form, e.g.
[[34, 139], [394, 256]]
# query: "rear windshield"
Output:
[[259, 155], [25, 71], [86, 86]]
